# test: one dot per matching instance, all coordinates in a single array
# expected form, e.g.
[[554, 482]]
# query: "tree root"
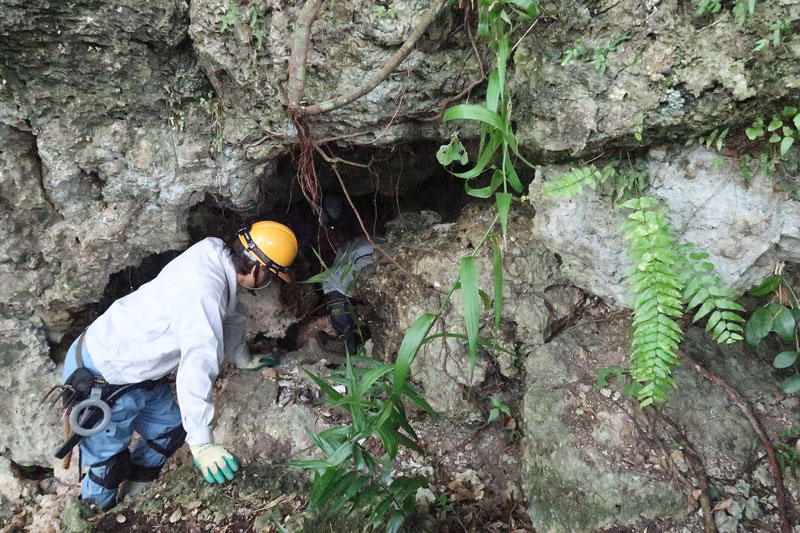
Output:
[[741, 403], [297, 59], [698, 470]]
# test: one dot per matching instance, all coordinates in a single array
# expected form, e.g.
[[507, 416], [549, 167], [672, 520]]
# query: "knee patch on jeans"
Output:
[[144, 473], [175, 438], [117, 468]]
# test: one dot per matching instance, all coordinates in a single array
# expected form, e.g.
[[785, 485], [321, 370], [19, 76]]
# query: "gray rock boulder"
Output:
[[30, 433], [745, 227]]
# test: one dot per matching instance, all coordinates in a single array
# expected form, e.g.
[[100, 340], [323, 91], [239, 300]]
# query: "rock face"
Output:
[[592, 459], [428, 259], [30, 433], [117, 118], [746, 227], [673, 71]]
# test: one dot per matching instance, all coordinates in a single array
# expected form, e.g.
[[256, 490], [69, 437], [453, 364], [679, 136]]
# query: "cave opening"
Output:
[[393, 182]]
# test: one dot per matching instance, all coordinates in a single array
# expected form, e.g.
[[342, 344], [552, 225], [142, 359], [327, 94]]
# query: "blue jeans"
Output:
[[152, 413]]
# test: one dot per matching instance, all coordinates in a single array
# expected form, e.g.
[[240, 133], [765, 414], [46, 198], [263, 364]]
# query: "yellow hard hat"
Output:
[[272, 244]]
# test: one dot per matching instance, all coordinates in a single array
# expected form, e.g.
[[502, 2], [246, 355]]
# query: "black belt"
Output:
[[108, 393]]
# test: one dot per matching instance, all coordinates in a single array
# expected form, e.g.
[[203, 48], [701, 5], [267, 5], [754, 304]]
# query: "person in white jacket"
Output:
[[188, 318]]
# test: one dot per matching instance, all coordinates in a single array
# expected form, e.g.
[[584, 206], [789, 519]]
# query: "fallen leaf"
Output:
[[269, 373], [175, 516], [191, 506], [723, 505]]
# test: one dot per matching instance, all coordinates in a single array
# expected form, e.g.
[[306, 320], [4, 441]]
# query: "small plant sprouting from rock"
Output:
[[783, 129], [600, 56], [741, 9], [638, 121], [497, 407], [778, 31], [576, 52], [228, 18], [714, 139], [787, 449], [254, 27], [625, 183], [494, 116], [780, 315], [386, 12]]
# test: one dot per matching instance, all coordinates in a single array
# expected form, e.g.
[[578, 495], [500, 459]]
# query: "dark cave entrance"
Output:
[[401, 180]]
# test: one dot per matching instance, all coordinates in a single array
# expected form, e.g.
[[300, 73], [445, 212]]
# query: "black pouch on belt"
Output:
[[81, 382]]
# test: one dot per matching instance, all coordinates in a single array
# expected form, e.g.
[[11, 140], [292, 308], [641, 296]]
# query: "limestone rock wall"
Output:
[[746, 227]]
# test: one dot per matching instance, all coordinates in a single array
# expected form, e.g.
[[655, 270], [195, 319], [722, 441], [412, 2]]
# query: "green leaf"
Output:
[[471, 299], [754, 132], [503, 202], [495, 140], [775, 124], [501, 53], [602, 376], [786, 143], [412, 341], [791, 384], [706, 308], [758, 327], [785, 359], [783, 323], [453, 151], [497, 277], [474, 112], [486, 192], [528, 7], [768, 286], [493, 91], [775, 138], [371, 377], [698, 299]]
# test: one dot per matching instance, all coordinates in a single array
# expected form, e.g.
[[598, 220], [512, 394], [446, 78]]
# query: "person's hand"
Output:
[[215, 462], [257, 362]]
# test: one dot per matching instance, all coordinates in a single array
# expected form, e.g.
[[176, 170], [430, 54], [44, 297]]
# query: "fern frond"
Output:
[[571, 183], [705, 290], [658, 288]]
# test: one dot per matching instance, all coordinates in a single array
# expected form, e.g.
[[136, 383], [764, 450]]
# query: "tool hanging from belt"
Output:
[[88, 398]]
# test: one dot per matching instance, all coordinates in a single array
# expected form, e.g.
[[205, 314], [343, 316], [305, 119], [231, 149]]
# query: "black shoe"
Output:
[[332, 345]]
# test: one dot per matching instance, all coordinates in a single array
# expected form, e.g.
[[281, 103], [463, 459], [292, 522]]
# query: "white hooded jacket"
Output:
[[187, 318]]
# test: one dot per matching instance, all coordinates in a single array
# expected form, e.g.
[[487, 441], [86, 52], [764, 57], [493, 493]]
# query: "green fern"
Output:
[[705, 290], [658, 288], [572, 183]]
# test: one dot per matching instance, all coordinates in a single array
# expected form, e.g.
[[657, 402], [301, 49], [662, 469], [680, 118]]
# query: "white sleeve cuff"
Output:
[[199, 436]]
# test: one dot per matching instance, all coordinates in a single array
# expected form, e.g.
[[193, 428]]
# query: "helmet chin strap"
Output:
[[263, 285]]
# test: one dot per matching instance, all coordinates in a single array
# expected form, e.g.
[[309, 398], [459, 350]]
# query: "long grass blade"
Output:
[[409, 347], [503, 202], [497, 276], [472, 305]]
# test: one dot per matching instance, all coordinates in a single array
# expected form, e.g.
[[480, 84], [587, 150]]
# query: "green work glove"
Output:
[[215, 462], [259, 362]]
